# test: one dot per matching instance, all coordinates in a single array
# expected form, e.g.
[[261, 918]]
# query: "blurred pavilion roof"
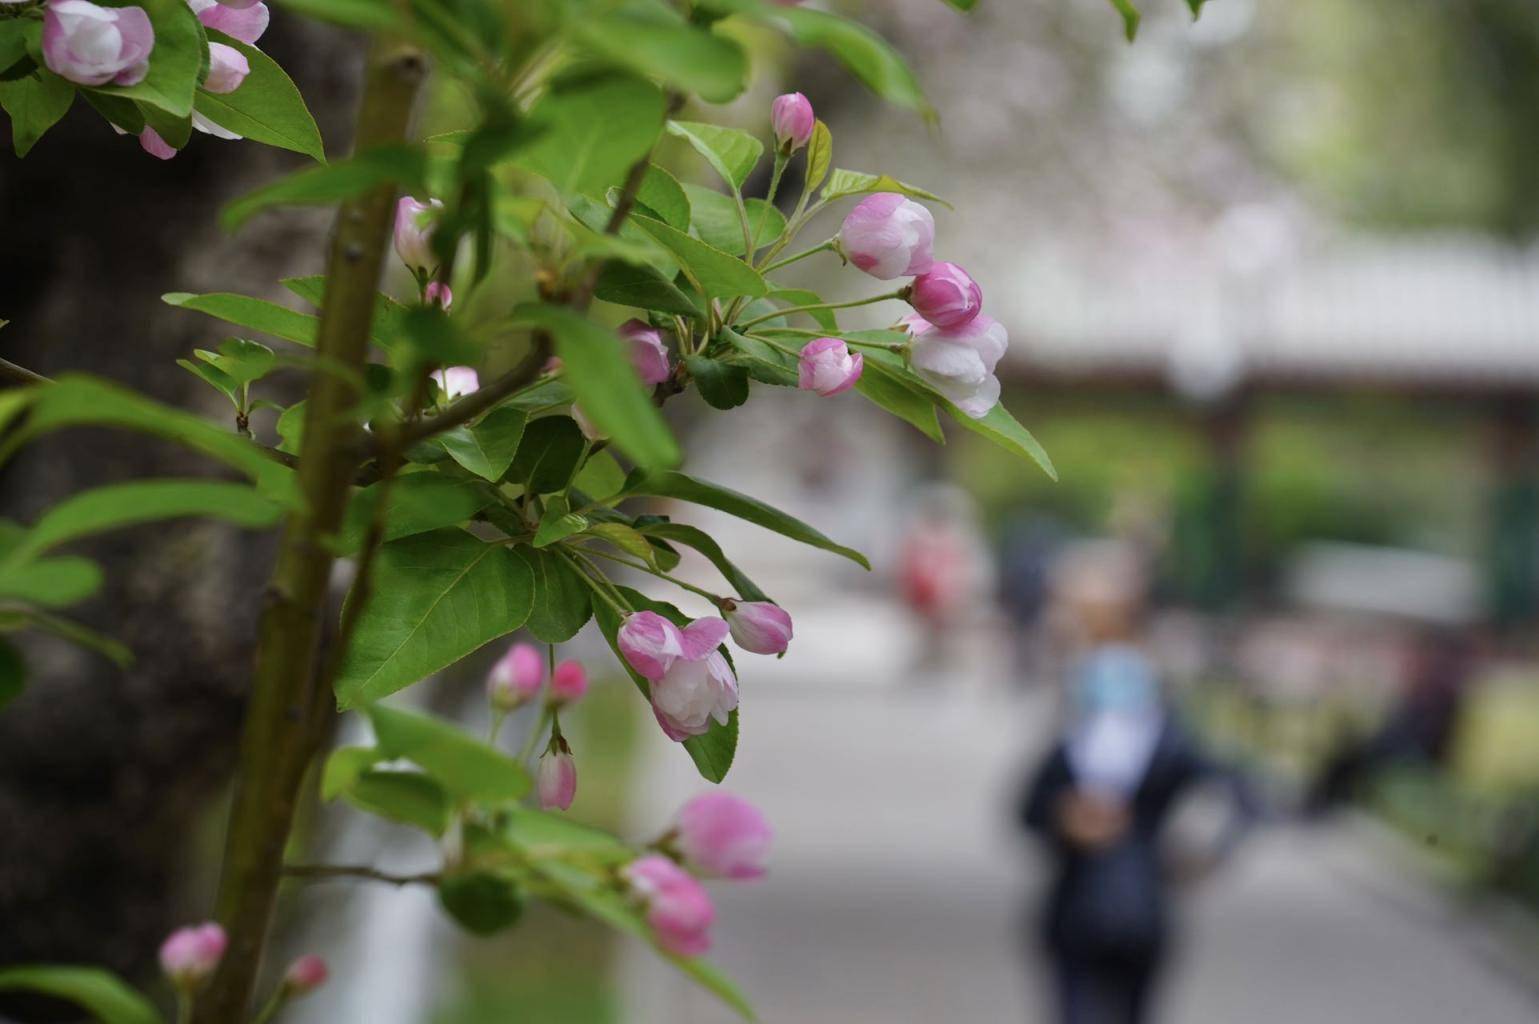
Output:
[[1445, 312]]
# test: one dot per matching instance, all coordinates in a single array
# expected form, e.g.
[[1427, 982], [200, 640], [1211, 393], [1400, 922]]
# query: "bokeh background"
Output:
[[1273, 297]]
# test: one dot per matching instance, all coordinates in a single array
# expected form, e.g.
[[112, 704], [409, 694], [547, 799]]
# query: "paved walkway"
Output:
[[898, 888]]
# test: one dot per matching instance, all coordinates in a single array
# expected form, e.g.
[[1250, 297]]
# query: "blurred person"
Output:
[[941, 567], [1419, 729], [1101, 800]]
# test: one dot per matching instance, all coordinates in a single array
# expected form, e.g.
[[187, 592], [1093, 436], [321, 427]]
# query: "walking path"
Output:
[[899, 888]]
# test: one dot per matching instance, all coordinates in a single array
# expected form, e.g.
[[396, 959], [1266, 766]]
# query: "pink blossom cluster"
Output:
[[716, 835], [517, 678], [691, 682]]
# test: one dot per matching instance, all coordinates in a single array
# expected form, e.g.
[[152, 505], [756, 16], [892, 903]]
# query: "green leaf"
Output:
[[487, 447], [719, 274], [627, 539], [404, 166], [722, 385], [35, 104], [963, 5], [1196, 7], [651, 38], [765, 362], [604, 381], [820, 155], [243, 361], [825, 318], [265, 108], [661, 193], [711, 752], [343, 768], [1003, 429], [858, 48], [244, 311], [594, 129], [600, 476], [214, 377], [717, 223], [853, 183], [437, 338], [389, 315], [103, 994], [467, 768], [482, 902], [291, 428], [13, 674], [68, 629], [562, 602], [176, 62], [644, 288], [1130, 17], [419, 502], [548, 455], [118, 505], [174, 130], [78, 400], [694, 537], [886, 387], [13, 41], [410, 798], [688, 488], [731, 153], [436, 597], [558, 523], [51, 582], [124, 114]]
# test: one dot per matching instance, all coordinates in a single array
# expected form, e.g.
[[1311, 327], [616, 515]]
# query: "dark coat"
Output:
[[1111, 903]]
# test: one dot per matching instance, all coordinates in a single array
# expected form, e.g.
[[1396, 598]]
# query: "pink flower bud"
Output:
[[556, 778], [455, 381], [93, 45], [648, 353], [959, 363], [305, 975], [679, 910], [793, 120], [243, 21], [439, 294], [946, 296], [189, 955], [828, 368], [227, 68], [691, 682], [758, 626], [414, 224], [724, 836], [151, 142], [888, 236], [569, 682], [516, 678]]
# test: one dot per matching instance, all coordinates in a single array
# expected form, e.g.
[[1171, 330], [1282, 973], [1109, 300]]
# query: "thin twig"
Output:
[[324, 871], [14, 375]]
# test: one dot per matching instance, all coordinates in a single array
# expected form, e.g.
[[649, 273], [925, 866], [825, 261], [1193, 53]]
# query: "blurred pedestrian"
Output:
[[1101, 800]]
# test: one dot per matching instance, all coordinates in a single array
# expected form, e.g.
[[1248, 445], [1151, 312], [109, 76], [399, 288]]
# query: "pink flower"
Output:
[[227, 68], [516, 678], [190, 954], [648, 353], [959, 363], [946, 296], [691, 682], [888, 236], [243, 21], [556, 778], [569, 682], [827, 367], [439, 294], [679, 910], [151, 142], [305, 975], [93, 45], [455, 381], [793, 120], [758, 626], [414, 224], [724, 836]]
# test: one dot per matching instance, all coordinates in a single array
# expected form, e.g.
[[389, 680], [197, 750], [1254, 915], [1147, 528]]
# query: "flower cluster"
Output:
[[517, 678], [189, 956], [691, 682], [716, 835]]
